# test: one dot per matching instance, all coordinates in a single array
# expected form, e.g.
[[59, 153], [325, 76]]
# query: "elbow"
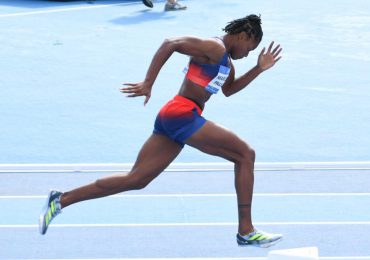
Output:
[[169, 45], [166, 44], [226, 92]]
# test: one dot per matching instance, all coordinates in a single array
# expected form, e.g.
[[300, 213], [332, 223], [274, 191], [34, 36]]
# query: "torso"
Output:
[[197, 82], [194, 92]]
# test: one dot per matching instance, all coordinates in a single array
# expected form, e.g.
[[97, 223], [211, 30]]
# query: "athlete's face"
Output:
[[243, 46]]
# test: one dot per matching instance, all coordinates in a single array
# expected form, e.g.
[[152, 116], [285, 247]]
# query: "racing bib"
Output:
[[217, 82]]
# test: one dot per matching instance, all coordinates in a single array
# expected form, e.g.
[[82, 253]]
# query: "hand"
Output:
[[268, 59], [137, 89]]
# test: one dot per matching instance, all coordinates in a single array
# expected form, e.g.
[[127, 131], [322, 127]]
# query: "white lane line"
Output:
[[182, 167], [344, 258], [207, 195], [211, 258], [296, 223], [190, 258], [58, 10]]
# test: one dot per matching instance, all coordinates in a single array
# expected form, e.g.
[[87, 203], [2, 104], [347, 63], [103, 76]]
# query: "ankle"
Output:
[[62, 200], [246, 231]]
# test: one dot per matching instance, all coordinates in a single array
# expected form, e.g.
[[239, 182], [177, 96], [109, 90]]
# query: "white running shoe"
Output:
[[51, 209], [174, 7], [258, 238]]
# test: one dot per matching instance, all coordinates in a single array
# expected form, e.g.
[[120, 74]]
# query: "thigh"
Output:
[[155, 156], [216, 140]]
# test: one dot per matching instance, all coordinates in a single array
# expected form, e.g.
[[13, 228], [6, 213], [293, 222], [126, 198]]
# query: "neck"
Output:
[[227, 39]]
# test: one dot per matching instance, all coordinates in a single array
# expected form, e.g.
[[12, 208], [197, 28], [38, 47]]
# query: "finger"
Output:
[[270, 47], [276, 48], [276, 60], [146, 100], [126, 91], [277, 54], [130, 89], [129, 84], [262, 51], [134, 95]]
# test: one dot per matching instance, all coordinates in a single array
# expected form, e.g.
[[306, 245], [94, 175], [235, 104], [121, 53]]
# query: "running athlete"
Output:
[[179, 122]]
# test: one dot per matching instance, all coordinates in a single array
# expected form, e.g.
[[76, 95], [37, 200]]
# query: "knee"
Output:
[[138, 183], [248, 154], [252, 154]]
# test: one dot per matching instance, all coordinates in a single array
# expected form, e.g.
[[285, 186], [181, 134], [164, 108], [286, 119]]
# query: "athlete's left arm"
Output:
[[265, 61]]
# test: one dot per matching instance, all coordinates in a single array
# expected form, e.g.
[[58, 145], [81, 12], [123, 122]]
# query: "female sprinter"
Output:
[[179, 122]]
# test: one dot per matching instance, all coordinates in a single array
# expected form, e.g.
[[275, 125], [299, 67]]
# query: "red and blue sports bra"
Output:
[[210, 76]]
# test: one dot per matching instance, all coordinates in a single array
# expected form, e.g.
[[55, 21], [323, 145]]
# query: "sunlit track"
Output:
[[65, 124], [60, 10]]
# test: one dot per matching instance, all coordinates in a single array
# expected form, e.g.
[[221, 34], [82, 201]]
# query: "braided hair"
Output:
[[250, 24]]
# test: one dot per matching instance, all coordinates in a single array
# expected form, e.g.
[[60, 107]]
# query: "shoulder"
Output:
[[204, 50], [204, 43], [212, 50]]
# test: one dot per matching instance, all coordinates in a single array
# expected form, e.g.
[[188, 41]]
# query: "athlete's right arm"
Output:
[[205, 50], [202, 50]]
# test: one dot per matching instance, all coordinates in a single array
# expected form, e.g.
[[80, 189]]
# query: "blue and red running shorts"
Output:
[[179, 119]]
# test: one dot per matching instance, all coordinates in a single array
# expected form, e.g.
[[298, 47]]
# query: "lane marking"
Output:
[[60, 10], [208, 195], [211, 258], [183, 167], [190, 258], [345, 257], [293, 223]]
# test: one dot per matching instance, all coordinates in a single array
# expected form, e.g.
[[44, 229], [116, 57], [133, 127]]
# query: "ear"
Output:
[[243, 36]]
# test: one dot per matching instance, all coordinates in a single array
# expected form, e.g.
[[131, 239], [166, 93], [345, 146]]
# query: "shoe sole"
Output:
[[173, 10], [264, 245], [42, 215]]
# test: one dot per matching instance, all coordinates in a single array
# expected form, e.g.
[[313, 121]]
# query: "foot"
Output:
[[51, 209], [258, 238], [148, 3], [174, 7]]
